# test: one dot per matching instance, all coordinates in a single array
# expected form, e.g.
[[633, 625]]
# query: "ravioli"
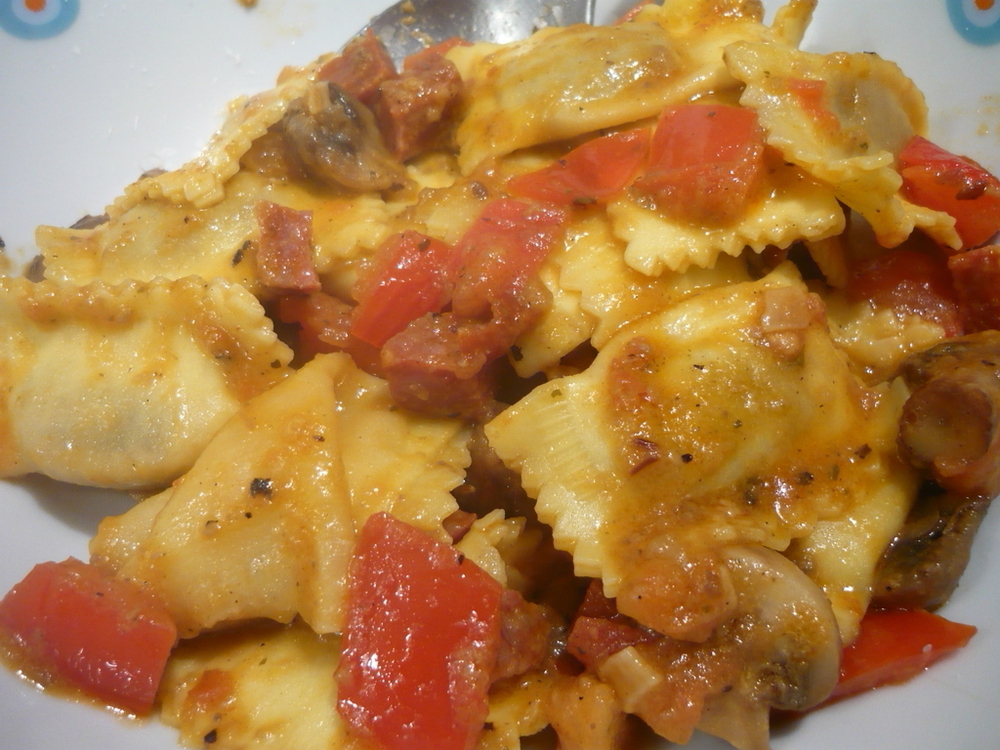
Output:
[[758, 433], [793, 208], [201, 182], [159, 238], [264, 686], [564, 82], [264, 523], [621, 362], [123, 386], [843, 118]]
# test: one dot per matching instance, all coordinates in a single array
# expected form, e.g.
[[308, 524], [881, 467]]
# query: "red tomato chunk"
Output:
[[70, 623], [895, 645], [421, 641], [909, 282], [705, 162], [590, 173], [412, 275], [940, 180]]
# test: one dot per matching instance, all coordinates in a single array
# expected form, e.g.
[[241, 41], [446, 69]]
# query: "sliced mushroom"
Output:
[[791, 651], [338, 142], [779, 648], [951, 422], [924, 563]]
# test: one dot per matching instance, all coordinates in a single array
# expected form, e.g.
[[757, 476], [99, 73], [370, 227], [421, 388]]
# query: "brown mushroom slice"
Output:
[[338, 142], [924, 563], [950, 422], [780, 648], [792, 653]]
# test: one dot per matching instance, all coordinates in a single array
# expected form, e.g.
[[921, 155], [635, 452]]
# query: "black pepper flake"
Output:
[[687, 458], [248, 514], [261, 487], [319, 438], [988, 363], [461, 558], [516, 354], [238, 255], [805, 478], [863, 451], [698, 367], [36, 269], [211, 737]]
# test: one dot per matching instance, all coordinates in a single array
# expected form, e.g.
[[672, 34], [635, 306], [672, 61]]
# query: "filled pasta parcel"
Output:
[[619, 380]]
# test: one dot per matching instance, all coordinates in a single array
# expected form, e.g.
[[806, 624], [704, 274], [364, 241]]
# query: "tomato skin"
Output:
[[421, 640], [705, 162], [938, 179], [412, 275], [590, 173], [69, 622], [895, 645], [910, 283]]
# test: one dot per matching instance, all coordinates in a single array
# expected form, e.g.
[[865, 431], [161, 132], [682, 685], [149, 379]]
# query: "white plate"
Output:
[[136, 84]]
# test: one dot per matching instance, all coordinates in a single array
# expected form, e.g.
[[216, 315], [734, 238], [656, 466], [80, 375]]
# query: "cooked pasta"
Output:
[[532, 385]]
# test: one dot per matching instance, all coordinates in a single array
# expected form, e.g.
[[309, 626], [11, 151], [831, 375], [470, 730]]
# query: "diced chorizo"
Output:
[[976, 277], [924, 563], [361, 68], [525, 635], [951, 422], [284, 256], [413, 109]]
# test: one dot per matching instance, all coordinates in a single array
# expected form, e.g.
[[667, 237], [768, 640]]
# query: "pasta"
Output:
[[597, 375]]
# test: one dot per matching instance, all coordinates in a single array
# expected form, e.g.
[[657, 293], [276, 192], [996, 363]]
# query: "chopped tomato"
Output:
[[500, 252], [895, 645], [957, 185], [412, 275], [976, 277], [592, 172], [705, 162], [421, 640], [70, 623], [440, 364], [910, 283], [325, 326]]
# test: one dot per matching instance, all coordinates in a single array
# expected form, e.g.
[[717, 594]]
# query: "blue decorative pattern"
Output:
[[978, 21], [37, 19]]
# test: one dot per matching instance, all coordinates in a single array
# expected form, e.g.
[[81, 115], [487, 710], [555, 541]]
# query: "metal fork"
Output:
[[411, 25]]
